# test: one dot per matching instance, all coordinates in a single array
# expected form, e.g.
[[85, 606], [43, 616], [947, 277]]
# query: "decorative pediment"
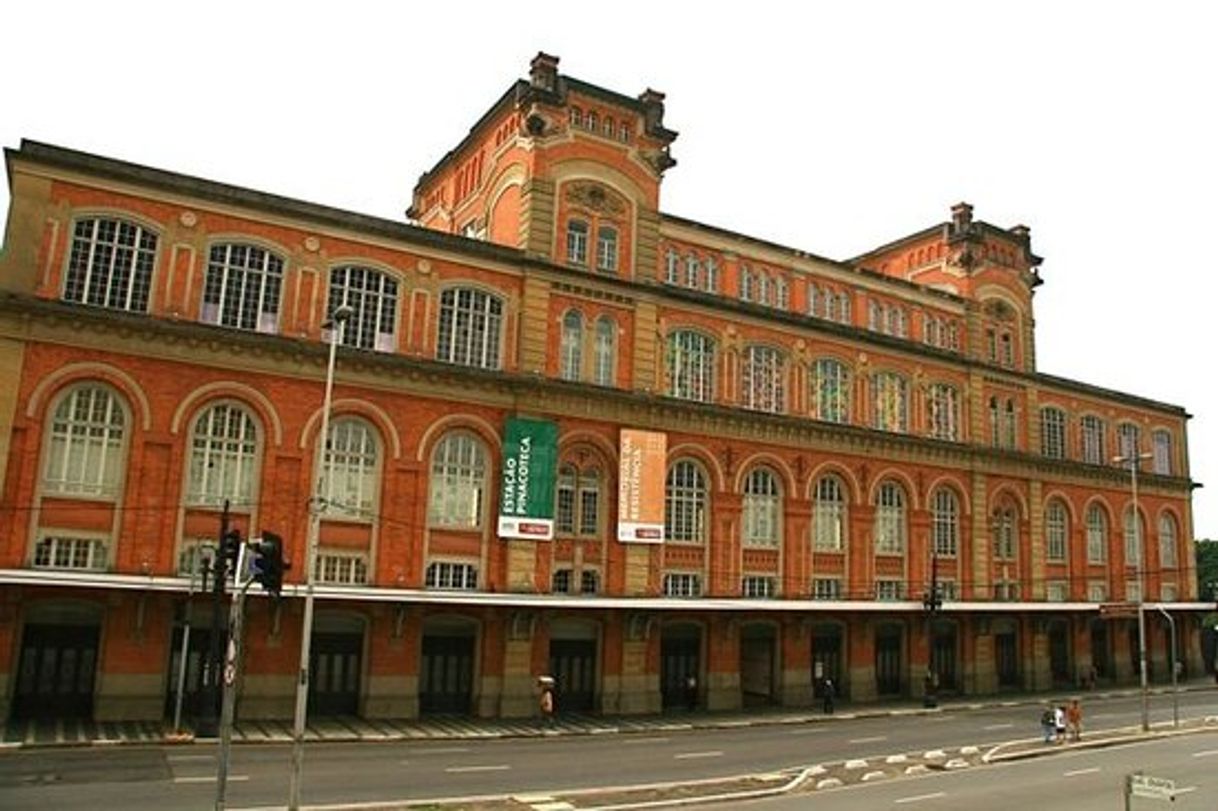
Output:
[[596, 197], [999, 310]]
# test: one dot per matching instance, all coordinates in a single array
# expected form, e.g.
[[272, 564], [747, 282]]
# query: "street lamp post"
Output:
[[337, 327], [1132, 459]]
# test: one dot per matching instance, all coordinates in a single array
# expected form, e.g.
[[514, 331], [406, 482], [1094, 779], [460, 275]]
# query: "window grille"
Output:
[[87, 439], [829, 515], [243, 286], [456, 576], [342, 570], [831, 391], [762, 508], [685, 504], [762, 380], [469, 327], [1097, 534], [756, 586], [571, 345], [110, 264], [373, 298], [890, 519], [458, 481], [691, 366], [1055, 531], [946, 521], [84, 554], [223, 457], [682, 585]]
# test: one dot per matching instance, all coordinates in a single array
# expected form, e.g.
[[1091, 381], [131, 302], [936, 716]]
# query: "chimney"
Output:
[[962, 217], [543, 72]]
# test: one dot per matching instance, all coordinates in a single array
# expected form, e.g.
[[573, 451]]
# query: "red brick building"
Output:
[[839, 435]]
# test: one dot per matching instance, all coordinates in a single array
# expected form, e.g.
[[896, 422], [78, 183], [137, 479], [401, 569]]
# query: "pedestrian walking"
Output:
[[1059, 723], [1074, 720], [827, 693], [1046, 724], [545, 702]]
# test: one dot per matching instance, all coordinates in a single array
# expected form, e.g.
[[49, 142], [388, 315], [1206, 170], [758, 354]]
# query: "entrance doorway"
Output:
[[58, 663], [827, 647], [680, 658], [943, 660], [1059, 653], [446, 675], [573, 664], [1006, 657], [888, 660]]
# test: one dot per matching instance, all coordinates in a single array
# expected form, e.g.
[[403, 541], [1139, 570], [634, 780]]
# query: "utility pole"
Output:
[[932, 602], [232, 660], [208, 724]]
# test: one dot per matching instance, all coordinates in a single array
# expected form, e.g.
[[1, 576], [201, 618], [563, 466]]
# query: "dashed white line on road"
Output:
[[689, 755], [445, 750], [460, 769], [625, 741], [997, 726], [185, 758], [1206, 753], [920, 798], [807, 730], [211, 778], [1077, 772], [872, 739]]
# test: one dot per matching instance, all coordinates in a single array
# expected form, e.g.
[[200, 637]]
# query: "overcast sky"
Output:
[[830, 127]]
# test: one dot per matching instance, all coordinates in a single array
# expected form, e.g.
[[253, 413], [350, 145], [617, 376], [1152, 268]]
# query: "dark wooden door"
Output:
[[447, 675], [334, 673], [888, 662], [56, 672], [680, 657], [573, 666]]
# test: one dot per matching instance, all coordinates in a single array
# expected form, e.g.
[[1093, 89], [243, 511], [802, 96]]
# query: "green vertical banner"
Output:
[[526, 494]]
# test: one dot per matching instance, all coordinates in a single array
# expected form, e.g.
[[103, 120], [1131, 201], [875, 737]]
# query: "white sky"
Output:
[[832, 127]]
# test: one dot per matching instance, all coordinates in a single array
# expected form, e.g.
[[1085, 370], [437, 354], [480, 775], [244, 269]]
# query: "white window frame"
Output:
[[829, 514], [826, 588], [691, 365], [225, 447], [890, 519], [577, 242], [604, 352], [756, 587], [1097, 592], [1162, 449], [1053, 432], [606, 249], [1005, 532], [889, 589], [457, 495], [70, 552], [1169, 557], [86, 443], [831, 390], [342, 568], [562, 581], [1091, 439], [1056, 591], [762, 509], [352, 454], [469, 328], [890, 402], [943, 411], [1057, 531], [445, 575], [945, 521], [110, 264], [686, 503], [682, 584], [243, 287], [373, 297], [1097, 535], [672, 267], [1134, 534], [763, 379], [571, 346]]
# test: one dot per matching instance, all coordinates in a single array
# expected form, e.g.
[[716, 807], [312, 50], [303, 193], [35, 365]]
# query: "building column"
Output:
[[860, 657], [985, 676], [393, 667], [639, 680], [723, 664], [795, 677], [1080, 648], [1123, 671], [1039, 675]]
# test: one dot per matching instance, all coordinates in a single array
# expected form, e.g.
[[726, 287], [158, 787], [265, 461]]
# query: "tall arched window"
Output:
[[762, 508], [223, 457], [571, 345], [458, 482], [1009, 429], [577, 242], [243, 287], [1053, 432], [349, 480], [829, 515], [746, 284], [469, 327], [111, 264], [87, 440], [606, 249], [605, 350], [943, 411], [814, 301], [1056, 531], [890, 402], [685, 502], [672, 265], [691, 366], [578, 507], [1097, 534], [373, 298], [830, 390], [890, 519], [762, 380], [693, 272], [945, 516], [1168, 557], [1004, 528], [1133, 538], [1161, 440], [1129, 441], [712, 275], [1092, 439]]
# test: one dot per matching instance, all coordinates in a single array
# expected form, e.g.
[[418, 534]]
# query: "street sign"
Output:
[[1118, 610], [1152, 788]]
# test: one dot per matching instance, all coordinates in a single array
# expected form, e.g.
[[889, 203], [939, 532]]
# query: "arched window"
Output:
[[829, 515], [782, 294], [930, 330], [691, 366], [693, 272], [1133, 538], [1092, 439], [843, 308], [763, 288], [945, 516], [814, 301], [1009, 432], [1004, 529], [672, 265], [830, 390], [349, 481], [605, 351], [468, 330], [1162, 452], [943, 411], [111, 264], [1056, 531], [995, 423], [576, 116], [712, 275], [875, 316], [1097, 534], [243, 287], [1168, 558], [579, 498], [577, 242], [458, 482], [685, 502], [592, 121], [571, 345], [87, 440], [1128, 441], [762, 508], [762, 380], [373, 298], [890, 402], [223, 457], [1053, 432], [746, 284], [607, 127], [606, 249], [890, 519]]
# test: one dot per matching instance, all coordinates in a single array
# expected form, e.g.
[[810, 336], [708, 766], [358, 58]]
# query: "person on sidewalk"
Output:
[[545, 702], [1059, 723], [1046, 724], [1074, 720], [827, 693]]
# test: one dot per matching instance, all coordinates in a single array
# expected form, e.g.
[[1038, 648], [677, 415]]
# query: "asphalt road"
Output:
[[146, 778], [1084, 780]]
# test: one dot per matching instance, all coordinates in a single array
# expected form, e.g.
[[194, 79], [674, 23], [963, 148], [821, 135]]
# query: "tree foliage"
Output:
[[1207, 569]]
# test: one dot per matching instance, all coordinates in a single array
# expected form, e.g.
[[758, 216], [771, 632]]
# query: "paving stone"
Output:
[[856, 764], [917, 768], [828, 782], [957, 763], [896, 759], [875, 775]]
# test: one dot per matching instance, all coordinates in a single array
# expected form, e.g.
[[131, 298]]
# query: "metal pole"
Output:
[[1175, 678], [1137, 529], [232, 659], [337, 325], [207, 724], [188, 611]]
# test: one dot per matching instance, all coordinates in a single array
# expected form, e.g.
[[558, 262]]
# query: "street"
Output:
[[158, 777]]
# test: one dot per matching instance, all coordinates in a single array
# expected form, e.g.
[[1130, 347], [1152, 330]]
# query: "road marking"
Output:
[[211, 778], [920, 798], [1184, 790], [998, 726], [688, 755], [643, 740], [460, 769], [1077, 772], [1103, 714], [807, 730], [185, 758], [1205, 753], [872, 739], [445, 750]]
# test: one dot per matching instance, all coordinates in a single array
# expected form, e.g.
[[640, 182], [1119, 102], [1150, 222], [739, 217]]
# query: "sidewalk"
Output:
[[22, 734]]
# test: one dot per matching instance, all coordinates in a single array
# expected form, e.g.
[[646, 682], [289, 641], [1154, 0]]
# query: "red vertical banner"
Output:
[[640, 500]]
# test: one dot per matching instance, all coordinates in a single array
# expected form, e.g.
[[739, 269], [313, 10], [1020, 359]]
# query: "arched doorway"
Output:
[[1101, 649], [1006, 653], [758, 664], [573, 663], [446, 666], [335, 663], [680, 658], [888, 658], [57, 667], [828, 646], [944, 654], [1059, 653]]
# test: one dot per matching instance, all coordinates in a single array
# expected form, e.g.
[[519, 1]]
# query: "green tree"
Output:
[[1207, 569]]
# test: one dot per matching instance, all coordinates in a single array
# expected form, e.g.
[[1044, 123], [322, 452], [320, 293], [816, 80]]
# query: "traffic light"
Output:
[[230, 549], [269, 565]]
